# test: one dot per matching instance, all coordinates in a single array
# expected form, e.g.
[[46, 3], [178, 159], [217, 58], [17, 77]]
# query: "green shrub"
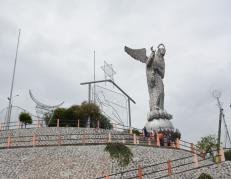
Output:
[[25, 118], [120, 153], [228, 155], [208, 144], [136, 131], [68, 117], [205, 176]]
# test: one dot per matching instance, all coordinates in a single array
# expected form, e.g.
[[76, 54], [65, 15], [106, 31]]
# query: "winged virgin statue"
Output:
[[155, 70]]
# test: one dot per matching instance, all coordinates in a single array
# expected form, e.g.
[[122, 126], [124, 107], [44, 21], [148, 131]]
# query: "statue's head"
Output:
[[161, 49]]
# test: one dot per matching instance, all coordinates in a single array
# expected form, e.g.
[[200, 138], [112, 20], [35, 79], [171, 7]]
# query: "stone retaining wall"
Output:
[[84, 161], [61, 136], [80, 161], [216, 171]]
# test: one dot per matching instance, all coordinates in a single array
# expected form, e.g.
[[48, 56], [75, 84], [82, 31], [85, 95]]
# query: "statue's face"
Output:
[[161, 51]]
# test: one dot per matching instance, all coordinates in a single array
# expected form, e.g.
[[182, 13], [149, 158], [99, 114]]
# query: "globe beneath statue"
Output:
[[159, 125]]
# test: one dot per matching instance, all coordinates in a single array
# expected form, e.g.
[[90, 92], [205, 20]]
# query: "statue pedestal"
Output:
[[159, 124], [159, 120]]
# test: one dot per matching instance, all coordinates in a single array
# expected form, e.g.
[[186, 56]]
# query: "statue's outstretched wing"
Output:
[[138, 54]]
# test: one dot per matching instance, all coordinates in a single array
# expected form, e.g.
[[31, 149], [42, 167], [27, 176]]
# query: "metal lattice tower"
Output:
[[217, 95], [113, 104], [43, 110], [109, 102]]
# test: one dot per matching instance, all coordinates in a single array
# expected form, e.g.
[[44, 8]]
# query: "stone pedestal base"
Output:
[[159, 124], [159, 114]]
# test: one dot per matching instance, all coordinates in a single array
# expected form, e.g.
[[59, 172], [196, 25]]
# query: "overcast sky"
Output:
[[58, 39]]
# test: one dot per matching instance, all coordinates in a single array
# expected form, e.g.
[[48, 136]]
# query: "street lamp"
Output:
[[12, 97], [9, 110]]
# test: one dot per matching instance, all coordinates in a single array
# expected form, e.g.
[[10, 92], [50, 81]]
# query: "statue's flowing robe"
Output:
[[155, 73]]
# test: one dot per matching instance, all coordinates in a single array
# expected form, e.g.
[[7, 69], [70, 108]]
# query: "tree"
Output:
[[207, 144], [58, 114], [105, 122], [76, 109], [120, 153], [228, 155], [90, 110], [25, 118], [71, 116]]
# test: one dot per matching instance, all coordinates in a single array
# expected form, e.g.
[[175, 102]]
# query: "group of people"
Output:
[[166, 137]]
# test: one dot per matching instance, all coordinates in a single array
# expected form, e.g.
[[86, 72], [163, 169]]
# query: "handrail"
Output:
[[207, 165], [114, 134], [121, 127], [156, 171], [135, 169], [74, 122]]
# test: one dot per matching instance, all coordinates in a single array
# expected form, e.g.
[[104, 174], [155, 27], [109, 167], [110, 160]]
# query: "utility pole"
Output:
[[94, 77], [227, 136], [89, 101], [217, 95], [12, 86], [219, 126]]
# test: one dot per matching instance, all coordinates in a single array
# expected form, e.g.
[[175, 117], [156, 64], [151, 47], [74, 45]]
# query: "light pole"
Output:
[[219, 127], [10, 109], [12, 85], [12, 97]]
